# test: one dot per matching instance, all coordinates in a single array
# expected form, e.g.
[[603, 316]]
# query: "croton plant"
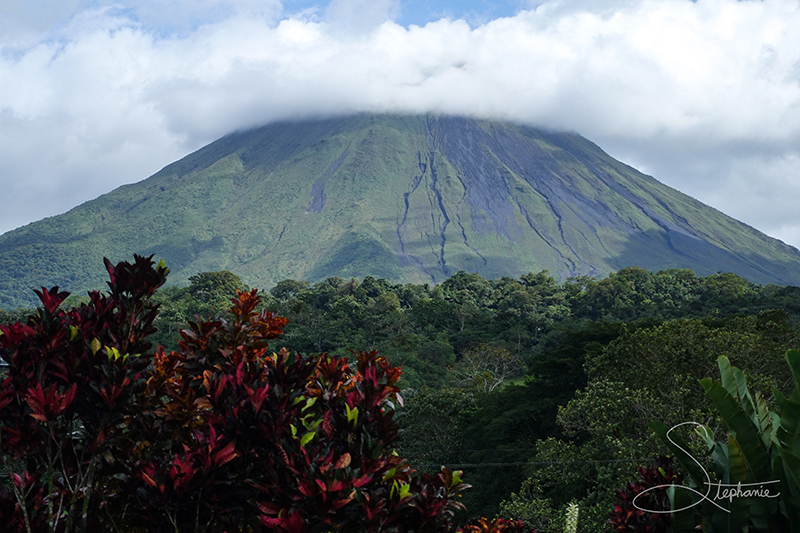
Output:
[[99, 432]]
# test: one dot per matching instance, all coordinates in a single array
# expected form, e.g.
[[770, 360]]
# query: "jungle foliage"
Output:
[[756, 466], [598, 360], [98, 433]]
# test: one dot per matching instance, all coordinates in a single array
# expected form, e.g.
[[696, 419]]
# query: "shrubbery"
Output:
[[99, 433]]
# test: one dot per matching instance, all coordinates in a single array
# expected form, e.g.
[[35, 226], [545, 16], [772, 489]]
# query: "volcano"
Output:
[[406, 198]]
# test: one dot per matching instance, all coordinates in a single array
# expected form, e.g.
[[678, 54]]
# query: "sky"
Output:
[[703, 95]]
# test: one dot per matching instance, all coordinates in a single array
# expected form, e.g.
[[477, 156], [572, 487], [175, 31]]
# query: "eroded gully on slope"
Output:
[[414, 184], [424, 167], [547, 193]]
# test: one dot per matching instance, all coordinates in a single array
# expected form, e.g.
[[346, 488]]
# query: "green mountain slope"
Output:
[[407, 198]]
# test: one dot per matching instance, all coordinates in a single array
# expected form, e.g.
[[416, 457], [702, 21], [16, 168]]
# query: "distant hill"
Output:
[[407, 198]]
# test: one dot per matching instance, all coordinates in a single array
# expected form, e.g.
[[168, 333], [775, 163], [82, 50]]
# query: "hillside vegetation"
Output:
[[411, 199]]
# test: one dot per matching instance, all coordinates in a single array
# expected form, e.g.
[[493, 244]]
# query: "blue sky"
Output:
[[704, 96], [420, 12]]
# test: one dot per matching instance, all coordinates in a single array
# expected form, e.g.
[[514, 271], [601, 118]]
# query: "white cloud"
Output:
[[705, 96]]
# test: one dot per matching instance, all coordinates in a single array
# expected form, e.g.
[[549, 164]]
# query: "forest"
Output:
[[543, 393]]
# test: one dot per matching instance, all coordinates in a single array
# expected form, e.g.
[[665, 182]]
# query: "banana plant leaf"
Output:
[[756, 455]]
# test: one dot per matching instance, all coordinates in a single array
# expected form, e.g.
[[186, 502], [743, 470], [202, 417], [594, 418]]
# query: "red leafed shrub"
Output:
[[498, 525], [72, 379], [98, 433], [275, 441], [627, 517]]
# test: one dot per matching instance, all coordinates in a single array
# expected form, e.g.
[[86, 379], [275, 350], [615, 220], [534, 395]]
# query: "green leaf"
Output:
[[767, 422], [737, 473], [787, 487], [389, 474], [756, 455], [791, 464], [726, 374], [745, 399], [401, 489], [706, 435], [683, 520], [309, 402], [307, 438], [788, 432], [311, 426], [780, 399], [352, 414], [790, 505], [793, 358], [405, 490]]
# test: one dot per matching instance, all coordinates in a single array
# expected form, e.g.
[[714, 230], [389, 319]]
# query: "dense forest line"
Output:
[[540, 391]]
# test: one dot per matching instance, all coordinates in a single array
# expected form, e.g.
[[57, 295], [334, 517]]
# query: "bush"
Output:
[[221, 435], [650, 490]]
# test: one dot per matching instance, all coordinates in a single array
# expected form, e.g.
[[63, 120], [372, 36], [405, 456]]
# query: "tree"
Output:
[[432, 422], [214, 290], [433, 313], [464, 287], [289, 288], [485, 368], [13, 315]]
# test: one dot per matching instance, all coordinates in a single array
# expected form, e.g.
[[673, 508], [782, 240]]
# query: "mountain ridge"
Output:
[[411, 198]]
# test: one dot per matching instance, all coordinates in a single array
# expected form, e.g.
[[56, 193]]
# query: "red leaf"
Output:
[[51, 299], [344, 461], [148, 476], [21, 482], [363, 480], [257, 398], [181, 472], [341, 502], [67, 399], [13, 334], [306, 488], [269, 508], [225, 455], [37, 401], [292, 523], [6, 392]]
